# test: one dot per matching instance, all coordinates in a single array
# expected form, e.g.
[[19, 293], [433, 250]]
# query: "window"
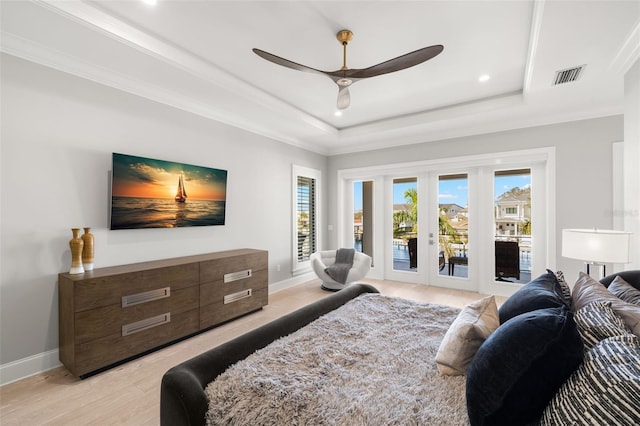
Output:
[[306, 188], [363, 217], [453, 225], [513, 240], [405, 224], [306, 217]]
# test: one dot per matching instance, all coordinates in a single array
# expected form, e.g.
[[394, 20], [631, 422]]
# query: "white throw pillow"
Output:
[[468, 331]]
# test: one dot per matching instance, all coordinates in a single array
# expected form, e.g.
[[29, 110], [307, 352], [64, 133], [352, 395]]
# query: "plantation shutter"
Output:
[[306, 217]]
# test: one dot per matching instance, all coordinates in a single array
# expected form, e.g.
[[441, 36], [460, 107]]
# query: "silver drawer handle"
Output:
[[233, 297], [235, 276], [146, 324], [147, 296]]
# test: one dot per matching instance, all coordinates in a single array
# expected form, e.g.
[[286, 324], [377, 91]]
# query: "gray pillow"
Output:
[[625, 291], [587, 290]]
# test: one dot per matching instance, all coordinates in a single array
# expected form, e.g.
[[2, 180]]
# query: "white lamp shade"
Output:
[[596, 245]]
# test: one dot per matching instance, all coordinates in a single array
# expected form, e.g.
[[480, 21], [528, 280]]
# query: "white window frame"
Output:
[[304, 266]]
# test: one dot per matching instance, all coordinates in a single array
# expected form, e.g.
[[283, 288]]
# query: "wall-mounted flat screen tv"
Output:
[[148, 193]]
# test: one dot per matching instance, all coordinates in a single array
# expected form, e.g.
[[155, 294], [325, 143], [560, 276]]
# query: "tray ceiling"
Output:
[[196, 56]]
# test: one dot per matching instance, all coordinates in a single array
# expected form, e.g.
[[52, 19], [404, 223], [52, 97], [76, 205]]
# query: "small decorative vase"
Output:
[[76, 245], [87, 250]]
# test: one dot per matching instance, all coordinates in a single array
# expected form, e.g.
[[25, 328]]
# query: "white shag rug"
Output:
[[369, 362]]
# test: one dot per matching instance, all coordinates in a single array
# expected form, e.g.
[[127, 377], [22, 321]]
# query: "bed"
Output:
[[359, 357]]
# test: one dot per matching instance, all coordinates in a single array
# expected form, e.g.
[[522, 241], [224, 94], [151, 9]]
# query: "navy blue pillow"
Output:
[[521, 366], [543, 292]]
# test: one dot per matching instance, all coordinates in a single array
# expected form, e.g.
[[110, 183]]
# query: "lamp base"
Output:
[[601, 267]]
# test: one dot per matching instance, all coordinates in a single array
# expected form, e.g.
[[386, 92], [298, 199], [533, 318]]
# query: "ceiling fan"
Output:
[[345, 77]]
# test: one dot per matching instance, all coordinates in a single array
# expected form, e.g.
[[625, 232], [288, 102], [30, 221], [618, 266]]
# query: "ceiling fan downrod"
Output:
[[344, 37]]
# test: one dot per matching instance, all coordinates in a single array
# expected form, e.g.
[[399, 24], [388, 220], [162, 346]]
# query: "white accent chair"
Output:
[[321, 259]]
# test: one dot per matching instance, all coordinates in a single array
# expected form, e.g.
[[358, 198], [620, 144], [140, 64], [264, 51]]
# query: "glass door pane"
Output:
[[363, 217], [357, 216], [405, 224], [453, 225], [512, 218]]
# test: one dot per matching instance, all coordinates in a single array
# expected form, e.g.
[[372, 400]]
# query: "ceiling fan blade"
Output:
[[344, 97], [285, 62], [396, 64]]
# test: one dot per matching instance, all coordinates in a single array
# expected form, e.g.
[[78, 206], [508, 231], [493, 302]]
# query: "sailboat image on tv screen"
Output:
[[144, 194], [181, 195]]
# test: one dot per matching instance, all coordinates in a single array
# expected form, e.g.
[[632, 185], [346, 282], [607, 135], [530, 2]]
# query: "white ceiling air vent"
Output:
[[568, 75]]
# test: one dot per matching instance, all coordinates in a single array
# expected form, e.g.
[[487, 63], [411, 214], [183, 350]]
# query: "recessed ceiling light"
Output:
[[150, 2], [338, 113], [484, 77]]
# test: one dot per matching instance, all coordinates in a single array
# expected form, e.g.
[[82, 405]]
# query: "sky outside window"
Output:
[[450, 191]]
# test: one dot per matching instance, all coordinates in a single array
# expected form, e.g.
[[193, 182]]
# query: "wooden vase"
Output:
[[76, 244], [87, 250]]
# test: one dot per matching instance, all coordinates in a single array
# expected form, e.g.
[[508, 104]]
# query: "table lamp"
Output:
[[596, 247]]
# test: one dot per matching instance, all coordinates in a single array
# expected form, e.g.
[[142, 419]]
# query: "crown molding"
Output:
[[534, 37], [459, 127], [437, 114], [629, 53]]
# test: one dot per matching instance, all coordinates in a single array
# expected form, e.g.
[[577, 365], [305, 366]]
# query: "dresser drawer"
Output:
[[103, 291], [218, 312], [214, 292], [108, 320], [108, 290], [107, 350], [215, 270]]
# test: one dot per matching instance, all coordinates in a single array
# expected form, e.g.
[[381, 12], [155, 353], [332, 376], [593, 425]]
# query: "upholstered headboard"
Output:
[[632, 277]]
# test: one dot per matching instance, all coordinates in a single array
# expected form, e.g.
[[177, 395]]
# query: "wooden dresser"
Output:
[[109, 315]]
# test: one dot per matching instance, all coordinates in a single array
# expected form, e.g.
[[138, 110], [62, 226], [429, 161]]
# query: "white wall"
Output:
[[631, 212], [583, 170], [58, 134]]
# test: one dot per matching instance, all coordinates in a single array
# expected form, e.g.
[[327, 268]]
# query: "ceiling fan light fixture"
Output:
[[344, 98], [343, 103], [344, 82]]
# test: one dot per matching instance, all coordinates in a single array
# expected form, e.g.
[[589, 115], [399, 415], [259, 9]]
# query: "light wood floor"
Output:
[[130, 394]]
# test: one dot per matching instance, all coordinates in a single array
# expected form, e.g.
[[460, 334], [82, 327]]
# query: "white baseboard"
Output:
[[45, 361], [26, 367], [291, 282]]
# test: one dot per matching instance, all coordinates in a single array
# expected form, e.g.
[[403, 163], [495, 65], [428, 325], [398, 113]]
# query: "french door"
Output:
[[452, 239], [472, 224]]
